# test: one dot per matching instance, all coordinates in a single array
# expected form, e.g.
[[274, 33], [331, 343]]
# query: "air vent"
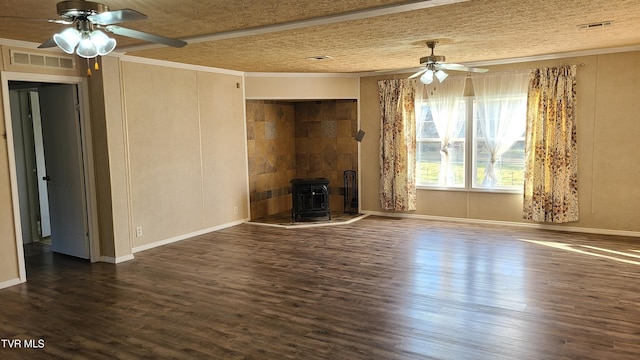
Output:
[[320, 57], [58, 62], [596, 25]]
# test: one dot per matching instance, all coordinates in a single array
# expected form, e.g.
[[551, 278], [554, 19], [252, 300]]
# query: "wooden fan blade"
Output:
[[418, 73], [145, 36], [116, 16], [458, 67], [47, 44]]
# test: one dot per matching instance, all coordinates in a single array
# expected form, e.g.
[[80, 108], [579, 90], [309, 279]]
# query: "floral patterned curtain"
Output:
[[397, 145], [551, 158]]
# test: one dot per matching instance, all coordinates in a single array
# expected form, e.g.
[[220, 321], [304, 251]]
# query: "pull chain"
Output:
[[96, 66]]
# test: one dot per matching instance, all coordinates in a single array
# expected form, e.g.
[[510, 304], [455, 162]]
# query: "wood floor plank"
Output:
[[379, 288]]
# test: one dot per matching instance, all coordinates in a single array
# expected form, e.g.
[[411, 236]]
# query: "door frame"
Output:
[[87, 158]]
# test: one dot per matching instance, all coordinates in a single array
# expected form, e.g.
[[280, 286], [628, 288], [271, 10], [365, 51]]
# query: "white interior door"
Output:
[[59, 111], [41, 170]]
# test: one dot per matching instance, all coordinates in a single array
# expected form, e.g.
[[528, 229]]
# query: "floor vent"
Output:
[[25, 58]]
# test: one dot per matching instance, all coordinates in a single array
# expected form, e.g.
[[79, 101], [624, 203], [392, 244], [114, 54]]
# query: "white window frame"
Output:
[[470, 166]]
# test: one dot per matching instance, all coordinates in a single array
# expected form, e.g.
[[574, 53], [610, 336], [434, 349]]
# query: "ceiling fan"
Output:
[[435, 66], [89, 18]]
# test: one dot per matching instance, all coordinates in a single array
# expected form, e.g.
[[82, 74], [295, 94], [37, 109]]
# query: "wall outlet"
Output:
[[139, 231], [235, 210]]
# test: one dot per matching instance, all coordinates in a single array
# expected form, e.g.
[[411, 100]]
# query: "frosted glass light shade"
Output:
[[67, 40], [427, 77], [441, 75], [102, 42], [86, 47]]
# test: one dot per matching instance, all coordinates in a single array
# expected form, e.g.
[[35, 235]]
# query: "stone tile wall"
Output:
[[325, 144], [289, 140]]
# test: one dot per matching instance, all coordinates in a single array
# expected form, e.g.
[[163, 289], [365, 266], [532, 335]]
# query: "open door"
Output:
[[60, 115], [41, 169]]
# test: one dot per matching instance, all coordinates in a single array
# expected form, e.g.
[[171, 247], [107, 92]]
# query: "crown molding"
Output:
[[299, 75], [554, 56], [177, 65]]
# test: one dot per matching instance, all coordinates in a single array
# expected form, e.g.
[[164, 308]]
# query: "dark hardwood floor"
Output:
[[379, 288]]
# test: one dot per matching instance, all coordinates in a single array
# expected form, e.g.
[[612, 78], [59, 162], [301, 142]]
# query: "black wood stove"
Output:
[[310, 198]]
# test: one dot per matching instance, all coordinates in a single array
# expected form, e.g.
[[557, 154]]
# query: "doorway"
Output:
[[51, 164]]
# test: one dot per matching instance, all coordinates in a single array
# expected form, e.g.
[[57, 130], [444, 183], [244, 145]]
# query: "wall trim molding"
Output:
[[555, 56], [9, 283], [116, 260], [574, 229], [518, 60], [301, 75], [176, 65], [186, 236]]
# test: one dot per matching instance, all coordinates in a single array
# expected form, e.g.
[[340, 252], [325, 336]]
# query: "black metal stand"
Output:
[[350, 192]]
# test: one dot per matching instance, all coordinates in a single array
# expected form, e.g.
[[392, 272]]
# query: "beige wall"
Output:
[[224, 148], [100, 153], [608, 108], [116, 189], [186, 150], [8, 251], [300, 87]]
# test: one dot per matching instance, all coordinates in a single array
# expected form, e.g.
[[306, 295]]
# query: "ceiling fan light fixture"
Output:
[[104, 44], [427, 77], [86, 43], [67, 40], [441, 75], [86, 47]]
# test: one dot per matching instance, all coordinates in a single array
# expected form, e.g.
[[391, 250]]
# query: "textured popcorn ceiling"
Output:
[[469, 32]]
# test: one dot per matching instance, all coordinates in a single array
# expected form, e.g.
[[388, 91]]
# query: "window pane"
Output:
[[429, 156], [508, 167], [456, 157], [428, 166]]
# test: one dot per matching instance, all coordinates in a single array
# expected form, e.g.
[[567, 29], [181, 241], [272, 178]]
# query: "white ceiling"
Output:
[[358, 35]]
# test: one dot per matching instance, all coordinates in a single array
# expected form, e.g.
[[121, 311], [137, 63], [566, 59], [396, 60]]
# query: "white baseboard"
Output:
[[9, 283], [575, 229], [185, 236], [116, 260]]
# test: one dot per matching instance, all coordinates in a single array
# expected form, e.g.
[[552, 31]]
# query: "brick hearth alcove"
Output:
[[298, 139]]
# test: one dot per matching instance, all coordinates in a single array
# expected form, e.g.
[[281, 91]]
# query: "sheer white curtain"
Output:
[[444, 99], [501, 111]]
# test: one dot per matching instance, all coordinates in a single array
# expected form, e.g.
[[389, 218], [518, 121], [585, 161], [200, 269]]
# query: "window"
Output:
[[499, 126], [500, 137], [432, 168]]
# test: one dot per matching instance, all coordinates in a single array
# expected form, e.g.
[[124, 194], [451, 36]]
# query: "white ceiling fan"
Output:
[[90, 21], [435, 66]]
